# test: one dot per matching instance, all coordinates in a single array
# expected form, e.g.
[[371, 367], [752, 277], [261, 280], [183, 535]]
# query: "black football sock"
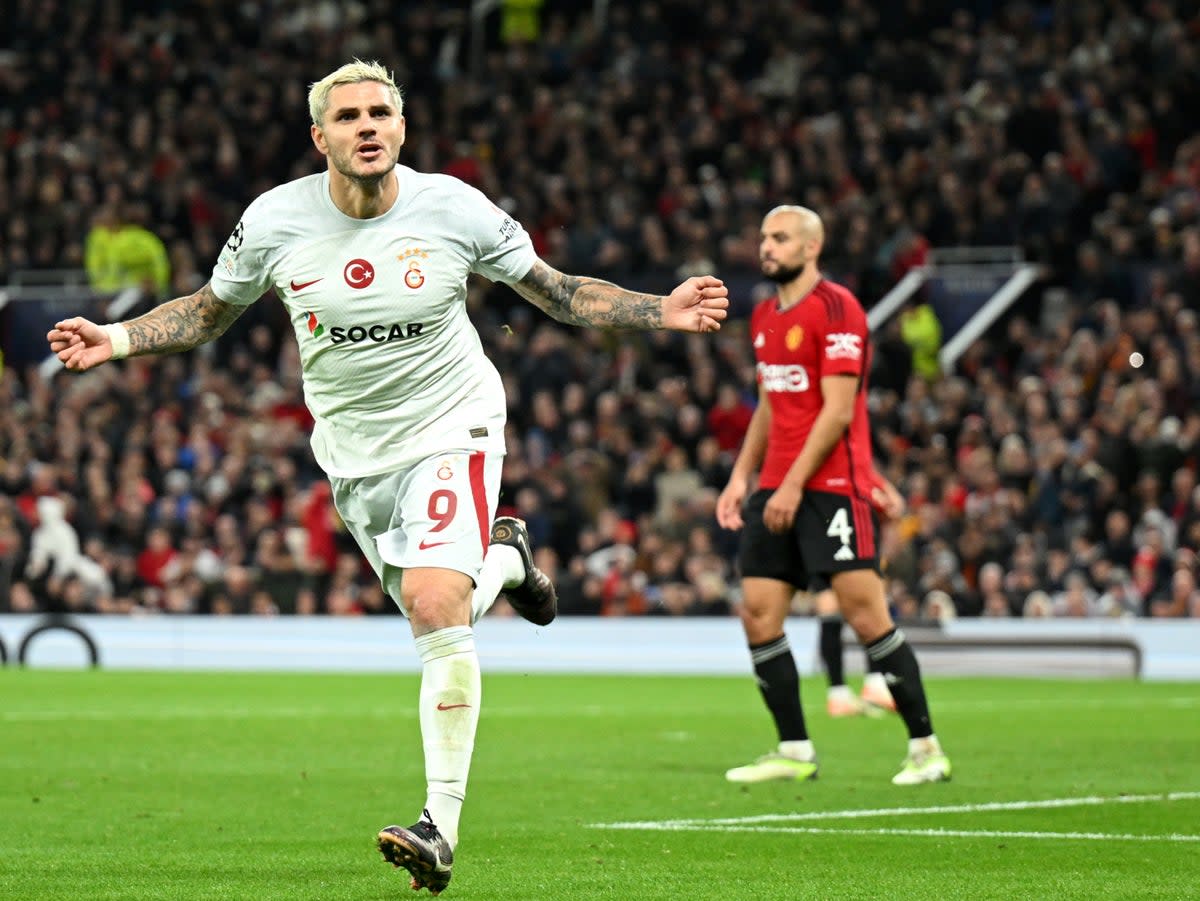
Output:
[[831, 650], [779, 683], [898, 663]]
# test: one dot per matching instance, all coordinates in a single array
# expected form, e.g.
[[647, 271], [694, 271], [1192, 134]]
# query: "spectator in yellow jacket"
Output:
[[120, 252], [922, 332]]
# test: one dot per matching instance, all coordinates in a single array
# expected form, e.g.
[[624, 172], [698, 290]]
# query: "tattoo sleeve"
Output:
[[588, 301], [181, 324]]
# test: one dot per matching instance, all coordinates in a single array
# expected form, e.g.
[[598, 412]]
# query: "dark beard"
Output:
[[785, 274]]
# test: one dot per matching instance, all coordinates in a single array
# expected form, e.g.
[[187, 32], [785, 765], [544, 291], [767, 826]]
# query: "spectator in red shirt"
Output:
[[729, 418], [158, 552]]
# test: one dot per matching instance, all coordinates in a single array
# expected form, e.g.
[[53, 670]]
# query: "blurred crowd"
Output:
[[1053, 473]]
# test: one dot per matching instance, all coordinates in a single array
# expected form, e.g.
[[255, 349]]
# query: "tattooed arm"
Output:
[[181, 324], [697, 305], [177, 325]]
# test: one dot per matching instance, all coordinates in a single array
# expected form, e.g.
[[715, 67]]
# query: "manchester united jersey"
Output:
[[823, 334], [393, 368]]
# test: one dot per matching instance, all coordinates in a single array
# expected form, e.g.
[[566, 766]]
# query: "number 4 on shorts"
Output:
[[840, 528]]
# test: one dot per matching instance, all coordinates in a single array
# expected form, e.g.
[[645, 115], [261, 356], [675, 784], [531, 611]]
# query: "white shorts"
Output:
[[436, 513]]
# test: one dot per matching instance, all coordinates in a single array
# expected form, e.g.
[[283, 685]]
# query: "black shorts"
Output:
[[832, 533]]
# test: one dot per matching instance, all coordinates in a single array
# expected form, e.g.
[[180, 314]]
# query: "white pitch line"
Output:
[[929, 833], [1073, 703], [727, 822]]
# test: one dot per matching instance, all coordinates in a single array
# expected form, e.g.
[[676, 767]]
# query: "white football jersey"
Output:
[[393, 368]]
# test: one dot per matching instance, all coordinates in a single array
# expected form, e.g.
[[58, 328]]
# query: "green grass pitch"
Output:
[[122, 785]]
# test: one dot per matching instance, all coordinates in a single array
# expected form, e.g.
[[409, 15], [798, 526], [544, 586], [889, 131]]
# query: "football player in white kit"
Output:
[[371, 260]]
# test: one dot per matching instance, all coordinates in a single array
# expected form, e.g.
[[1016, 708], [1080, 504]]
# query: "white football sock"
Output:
[[449, 709], [798, 750], [502, 568], [927, 745], [877, 682]]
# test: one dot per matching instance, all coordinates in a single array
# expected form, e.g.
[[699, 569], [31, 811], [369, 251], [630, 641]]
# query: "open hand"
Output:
[[729, 504]]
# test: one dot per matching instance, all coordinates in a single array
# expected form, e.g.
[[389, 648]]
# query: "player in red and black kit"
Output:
[[813, 514]]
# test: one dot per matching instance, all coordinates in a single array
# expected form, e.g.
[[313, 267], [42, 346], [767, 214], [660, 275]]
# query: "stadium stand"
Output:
[[1051, 469]]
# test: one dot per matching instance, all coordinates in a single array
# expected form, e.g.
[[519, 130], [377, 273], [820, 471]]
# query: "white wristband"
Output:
[[118, 335]]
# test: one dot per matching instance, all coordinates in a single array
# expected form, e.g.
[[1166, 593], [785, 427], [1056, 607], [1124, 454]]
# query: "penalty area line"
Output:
[[924, 833], [1049, 803]]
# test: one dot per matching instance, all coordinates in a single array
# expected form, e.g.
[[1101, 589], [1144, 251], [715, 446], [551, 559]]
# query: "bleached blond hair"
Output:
[[351, 73], [808, 219]]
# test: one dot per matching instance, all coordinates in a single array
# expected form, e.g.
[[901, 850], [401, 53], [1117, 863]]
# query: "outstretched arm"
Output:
[[697, 305], [171, 327]]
